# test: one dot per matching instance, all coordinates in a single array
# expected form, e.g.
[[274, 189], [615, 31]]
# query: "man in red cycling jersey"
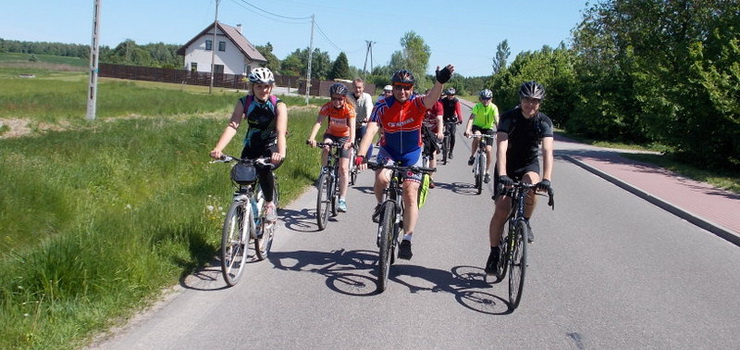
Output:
[[400, 116]]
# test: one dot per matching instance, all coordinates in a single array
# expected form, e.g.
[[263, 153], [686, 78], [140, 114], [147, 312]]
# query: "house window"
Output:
[[221, 46], [209, 45], [193, 66], [218, 68]]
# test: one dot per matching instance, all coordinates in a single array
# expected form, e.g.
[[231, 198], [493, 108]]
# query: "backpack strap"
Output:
[[247, 100]]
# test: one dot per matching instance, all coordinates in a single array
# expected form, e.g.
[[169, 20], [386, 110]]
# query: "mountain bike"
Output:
[[245, 220], [327, 197], [514, 243], [390, 226], [446, 141], [353, 169], [480, 160]]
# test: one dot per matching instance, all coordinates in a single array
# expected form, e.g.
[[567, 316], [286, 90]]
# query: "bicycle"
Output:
[[446, 141], [390, 225], [327, 196], [480, 160], [245, 219], [353, 169], [513, 245]]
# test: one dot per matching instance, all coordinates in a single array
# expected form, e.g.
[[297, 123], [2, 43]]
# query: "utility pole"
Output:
[[94, 51], [310, 57], [213, 48], [370, 52]]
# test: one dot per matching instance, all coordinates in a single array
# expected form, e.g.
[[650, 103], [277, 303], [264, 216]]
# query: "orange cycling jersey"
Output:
[[339, 119]]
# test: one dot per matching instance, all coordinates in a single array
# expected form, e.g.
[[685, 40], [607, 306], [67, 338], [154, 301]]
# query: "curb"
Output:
[[718, 230]]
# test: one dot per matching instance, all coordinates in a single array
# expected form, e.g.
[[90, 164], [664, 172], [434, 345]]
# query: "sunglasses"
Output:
[[403, 86], [337, 99]]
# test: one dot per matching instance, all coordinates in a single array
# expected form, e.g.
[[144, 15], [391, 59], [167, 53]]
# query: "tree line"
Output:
[[652, 71]]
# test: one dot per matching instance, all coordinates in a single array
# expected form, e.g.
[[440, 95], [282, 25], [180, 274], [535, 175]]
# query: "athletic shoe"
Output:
[[270, 212], [471, 160], [376, 213], [342, 206], [431, 184], [530, 237], [404, 250], [450, 157], [492, 263], [487, 178]]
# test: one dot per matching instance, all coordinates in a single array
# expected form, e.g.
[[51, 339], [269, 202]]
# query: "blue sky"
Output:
[[464, 33]]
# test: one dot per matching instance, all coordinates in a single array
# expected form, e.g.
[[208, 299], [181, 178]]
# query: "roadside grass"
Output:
[[97, 221], [721, 179]]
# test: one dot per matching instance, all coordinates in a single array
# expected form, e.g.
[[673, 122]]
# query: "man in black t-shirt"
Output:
[[521, 133]]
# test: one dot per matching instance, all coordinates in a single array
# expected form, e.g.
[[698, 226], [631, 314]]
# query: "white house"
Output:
[[234, 53]]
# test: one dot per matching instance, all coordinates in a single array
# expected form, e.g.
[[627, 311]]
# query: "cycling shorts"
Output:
[[488, 141], [344, 153], [409, 159]]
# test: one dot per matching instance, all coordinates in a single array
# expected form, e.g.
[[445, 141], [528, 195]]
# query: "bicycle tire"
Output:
[[480, 172], [518, 263], [385, 232], [322, 201], [334, 195], [263, 243], [352, 168], [234, 242]]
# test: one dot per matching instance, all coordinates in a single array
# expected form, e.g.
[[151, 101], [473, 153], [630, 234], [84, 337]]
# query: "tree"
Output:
[[502, 55], [414, 56], [340, 68], [273, 63]]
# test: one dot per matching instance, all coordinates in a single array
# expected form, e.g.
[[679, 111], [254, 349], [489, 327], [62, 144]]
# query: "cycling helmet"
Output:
[[450, 91], [388, 88], [261, 75], [532, 89], [486, 94], [403, 76], [338, 89]]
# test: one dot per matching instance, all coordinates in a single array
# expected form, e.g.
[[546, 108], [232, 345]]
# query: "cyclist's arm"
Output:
[[352, 135], [368, 106], [502, 144], [547, 157], [281, 126], [372, 129], [229, 131], [469, 126], [436, 91], [440, 127], [458, 112], [315, 130]]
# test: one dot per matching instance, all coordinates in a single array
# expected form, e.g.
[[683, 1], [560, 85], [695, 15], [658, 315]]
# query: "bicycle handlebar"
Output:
[[225, 158], [482, 136], [525, 186], [412, 168]]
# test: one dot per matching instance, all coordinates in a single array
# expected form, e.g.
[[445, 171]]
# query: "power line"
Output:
[[275, 14]]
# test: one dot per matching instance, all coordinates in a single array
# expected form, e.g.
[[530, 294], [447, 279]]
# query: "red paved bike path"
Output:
[[711, 208]]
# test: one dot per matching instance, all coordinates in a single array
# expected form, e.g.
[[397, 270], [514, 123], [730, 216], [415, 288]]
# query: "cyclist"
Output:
[[433, 123], [267, 117], [340, 129], [387, 91], [363, 103], [483, 121], [521, 132], [400, 116], [452, 115]]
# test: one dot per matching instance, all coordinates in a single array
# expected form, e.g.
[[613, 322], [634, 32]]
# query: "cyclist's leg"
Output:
[[453, 128], [325, 151], [532, 178], [411, 194], [343, 176]]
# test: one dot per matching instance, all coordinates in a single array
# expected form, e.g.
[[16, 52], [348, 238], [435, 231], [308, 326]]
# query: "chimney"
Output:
[[239, 28]]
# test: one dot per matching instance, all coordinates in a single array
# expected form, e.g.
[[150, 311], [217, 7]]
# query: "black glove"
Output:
[[543, 185], [505, 180], [443, 75]]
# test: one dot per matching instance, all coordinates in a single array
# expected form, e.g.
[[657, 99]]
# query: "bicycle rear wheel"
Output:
[[518, 263], [385, 238], [234, 241], [263, 243], [322, 200]]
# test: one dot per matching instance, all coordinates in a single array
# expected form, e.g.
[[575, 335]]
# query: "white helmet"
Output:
[[261, 75]]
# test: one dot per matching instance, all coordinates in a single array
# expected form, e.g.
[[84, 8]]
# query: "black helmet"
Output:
[[403, 76], [450, 91], [338, 89], [532, 89]]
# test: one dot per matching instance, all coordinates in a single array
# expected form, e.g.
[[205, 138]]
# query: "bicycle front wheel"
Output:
[[352, 168], [385, 243], [263, 242], [445, 149], [322, 201], [480, 172], [234, 242], [518, 263]]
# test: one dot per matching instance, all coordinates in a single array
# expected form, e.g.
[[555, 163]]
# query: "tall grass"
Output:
[[97, 220]]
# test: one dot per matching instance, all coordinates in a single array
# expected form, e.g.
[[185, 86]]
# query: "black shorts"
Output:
[[344, 153], [488, 140], [516, 172]]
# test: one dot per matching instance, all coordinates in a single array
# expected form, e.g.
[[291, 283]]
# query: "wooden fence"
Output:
[[230, 81]]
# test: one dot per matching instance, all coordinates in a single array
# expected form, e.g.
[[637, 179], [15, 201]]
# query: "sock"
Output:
[[407, 237]]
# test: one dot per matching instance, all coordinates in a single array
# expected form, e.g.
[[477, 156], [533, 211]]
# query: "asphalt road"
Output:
[[608, 270]]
